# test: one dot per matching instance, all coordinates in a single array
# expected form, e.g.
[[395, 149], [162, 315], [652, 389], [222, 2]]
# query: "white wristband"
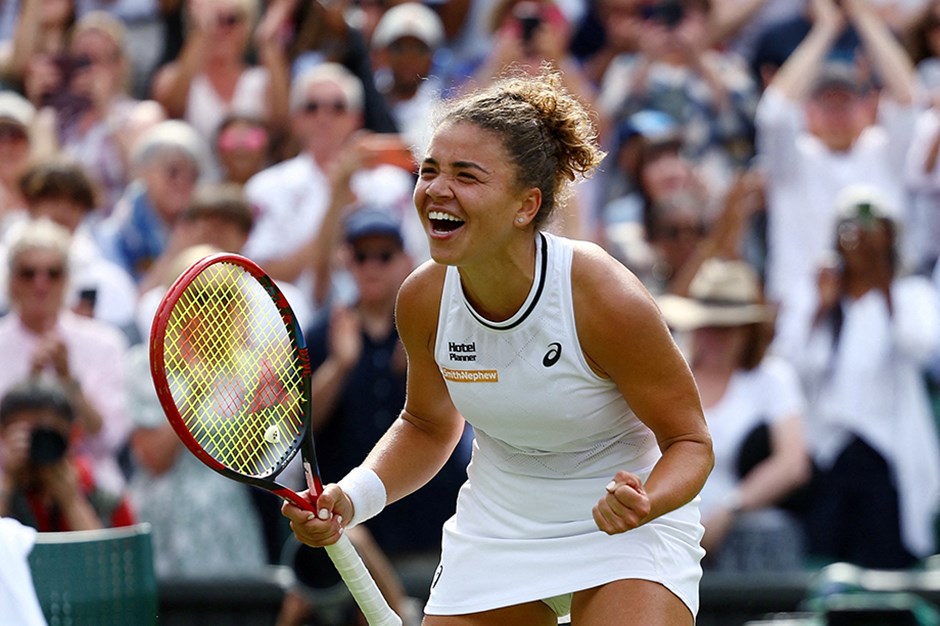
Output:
[[366, 491]]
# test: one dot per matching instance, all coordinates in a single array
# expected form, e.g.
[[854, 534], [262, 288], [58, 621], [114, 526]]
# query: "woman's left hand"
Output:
[[624, 506]]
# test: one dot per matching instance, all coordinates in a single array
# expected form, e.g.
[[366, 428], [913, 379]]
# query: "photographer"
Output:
[[44, 483], [861, 338]]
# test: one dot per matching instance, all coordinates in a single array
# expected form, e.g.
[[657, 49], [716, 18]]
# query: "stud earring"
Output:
[[520, 219]]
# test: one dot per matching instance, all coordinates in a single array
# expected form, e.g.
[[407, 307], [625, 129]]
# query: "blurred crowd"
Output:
[[772, 175]]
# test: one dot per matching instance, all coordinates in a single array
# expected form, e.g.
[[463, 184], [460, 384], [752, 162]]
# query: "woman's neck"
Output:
[[498, 288]]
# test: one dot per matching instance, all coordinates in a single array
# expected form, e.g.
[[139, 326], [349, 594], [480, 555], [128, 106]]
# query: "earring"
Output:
[[520, 219]]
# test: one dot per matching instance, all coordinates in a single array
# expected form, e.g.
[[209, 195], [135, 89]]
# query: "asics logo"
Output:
[[554, 353]]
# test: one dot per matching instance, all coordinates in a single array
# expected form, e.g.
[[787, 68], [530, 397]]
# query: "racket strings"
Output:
[[231, 368]]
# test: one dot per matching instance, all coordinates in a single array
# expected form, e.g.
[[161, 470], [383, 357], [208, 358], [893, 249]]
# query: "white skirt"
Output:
[[495, 556]]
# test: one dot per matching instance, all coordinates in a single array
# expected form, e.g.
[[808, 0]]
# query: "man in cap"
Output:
[[358, 378], [404, 43], [820, 129]]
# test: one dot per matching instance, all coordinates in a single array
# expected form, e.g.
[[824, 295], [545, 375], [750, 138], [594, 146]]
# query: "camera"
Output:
[[666, 12], [46, 446], [529, 15]]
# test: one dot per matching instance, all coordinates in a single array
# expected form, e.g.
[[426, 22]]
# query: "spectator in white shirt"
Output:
[[337, 157], [819, 130], [861, 340]]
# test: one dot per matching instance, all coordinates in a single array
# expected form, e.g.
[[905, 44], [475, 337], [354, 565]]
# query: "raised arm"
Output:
[[889, 58], [728, 17], [172, 82], [795, 77]]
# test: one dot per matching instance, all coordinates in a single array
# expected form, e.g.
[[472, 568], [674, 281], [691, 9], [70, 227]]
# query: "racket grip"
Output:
[[360, 584]]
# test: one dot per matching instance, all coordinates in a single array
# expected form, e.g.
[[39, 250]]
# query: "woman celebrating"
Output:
[[590, 440]]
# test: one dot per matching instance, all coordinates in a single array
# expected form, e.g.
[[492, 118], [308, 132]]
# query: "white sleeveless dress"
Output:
[[550, 435]]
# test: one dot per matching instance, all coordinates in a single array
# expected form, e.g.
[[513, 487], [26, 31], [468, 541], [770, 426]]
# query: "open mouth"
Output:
[[443, 223]]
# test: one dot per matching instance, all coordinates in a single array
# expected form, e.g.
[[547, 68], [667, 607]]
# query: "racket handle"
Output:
[[360, 584]]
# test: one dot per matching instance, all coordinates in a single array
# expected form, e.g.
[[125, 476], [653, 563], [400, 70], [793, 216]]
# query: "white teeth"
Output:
[[440, 215]]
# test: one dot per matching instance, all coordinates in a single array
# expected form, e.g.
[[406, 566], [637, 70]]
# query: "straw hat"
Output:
[[722, 293]]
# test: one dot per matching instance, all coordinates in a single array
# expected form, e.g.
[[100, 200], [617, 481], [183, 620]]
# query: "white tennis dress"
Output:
[[550, 435]]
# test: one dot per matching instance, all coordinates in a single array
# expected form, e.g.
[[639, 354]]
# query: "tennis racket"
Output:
[[231, 369]]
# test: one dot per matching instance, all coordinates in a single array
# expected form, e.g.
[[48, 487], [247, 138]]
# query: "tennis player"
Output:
[[590, 446]]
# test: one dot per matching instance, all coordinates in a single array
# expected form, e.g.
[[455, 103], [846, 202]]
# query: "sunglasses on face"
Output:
[[12, 133], [249, 138], [229, 20], [337, 107], [178, 172], [383, 257], [29, 273], [674, 232], [403, 46]]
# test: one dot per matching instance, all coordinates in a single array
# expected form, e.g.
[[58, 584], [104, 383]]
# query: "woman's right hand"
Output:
[[326, 526]]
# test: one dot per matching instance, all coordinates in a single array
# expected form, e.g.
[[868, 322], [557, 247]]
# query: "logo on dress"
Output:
[[462, 351], [437, 575], [470, 376], [554, 353]]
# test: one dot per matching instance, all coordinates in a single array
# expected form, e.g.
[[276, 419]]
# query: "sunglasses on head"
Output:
[[314, 106], [30, 273], [384, 257]]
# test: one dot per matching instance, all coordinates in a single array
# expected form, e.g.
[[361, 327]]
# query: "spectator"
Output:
[[817, 134], [243, 147], [62, 192], [664, 200], [41, 337], [220, 217], [921, 242], [926, 49], [211, 79], [145, 36], [778, 41], [339, 32], [709, 93], [38, 45], [404, 43], [94, 132], [16, 121], [861, 339], [188, 541], [45, 482], [526, 34], [754, 407], [291, 197], [359, 379], [738, 24], [620, 23], [168, 161]]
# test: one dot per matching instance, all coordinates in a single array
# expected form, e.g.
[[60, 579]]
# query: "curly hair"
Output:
[[548, 133]]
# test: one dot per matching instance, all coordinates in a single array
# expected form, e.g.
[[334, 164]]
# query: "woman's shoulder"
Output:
[[595, 272], [419, 301]]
